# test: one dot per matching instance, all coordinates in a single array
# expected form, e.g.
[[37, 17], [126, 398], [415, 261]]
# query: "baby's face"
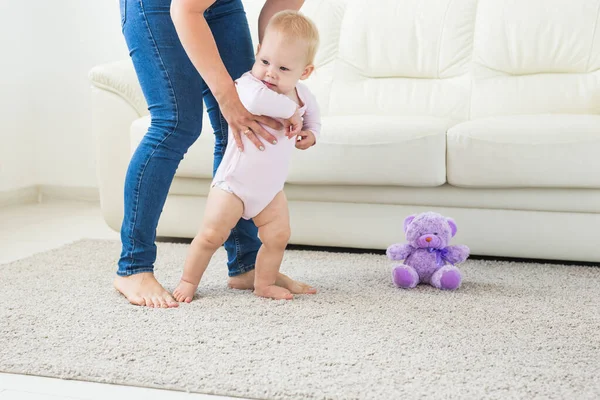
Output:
[[280, 63]]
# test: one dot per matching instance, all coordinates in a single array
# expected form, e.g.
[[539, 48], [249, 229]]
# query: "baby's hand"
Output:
[[293, 129], [306, 140]]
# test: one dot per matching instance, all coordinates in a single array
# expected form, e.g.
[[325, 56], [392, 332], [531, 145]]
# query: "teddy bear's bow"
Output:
[[441, 256]]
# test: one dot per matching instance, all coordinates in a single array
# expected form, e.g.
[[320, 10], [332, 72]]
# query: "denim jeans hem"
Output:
[[135, 271], [242, 269]]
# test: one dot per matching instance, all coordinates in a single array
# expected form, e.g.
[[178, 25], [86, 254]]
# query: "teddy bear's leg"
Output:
[[405, 276], [446, 278]]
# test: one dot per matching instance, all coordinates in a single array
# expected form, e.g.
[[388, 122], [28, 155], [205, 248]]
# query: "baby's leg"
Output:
[[223, 211], [274, 231]]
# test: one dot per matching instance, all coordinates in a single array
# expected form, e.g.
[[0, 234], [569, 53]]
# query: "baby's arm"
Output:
[[260, 100], [312, 116]]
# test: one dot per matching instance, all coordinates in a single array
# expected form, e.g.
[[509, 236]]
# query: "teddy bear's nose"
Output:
[[428, 239]]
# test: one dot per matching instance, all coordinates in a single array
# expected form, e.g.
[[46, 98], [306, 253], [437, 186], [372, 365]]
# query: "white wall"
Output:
[[17, 144], [48, 47], [79, 35], [46, 51]]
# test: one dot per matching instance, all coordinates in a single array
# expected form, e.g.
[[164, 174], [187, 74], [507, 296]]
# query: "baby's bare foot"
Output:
[[185, 291], [144, 290], [293, 286], [246, 282], [273, 292]]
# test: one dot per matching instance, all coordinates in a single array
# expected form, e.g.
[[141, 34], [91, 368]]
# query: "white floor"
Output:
[[34, 228]]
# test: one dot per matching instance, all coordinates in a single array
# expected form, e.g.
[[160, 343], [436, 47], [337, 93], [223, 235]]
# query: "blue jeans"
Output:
[[174, 92]]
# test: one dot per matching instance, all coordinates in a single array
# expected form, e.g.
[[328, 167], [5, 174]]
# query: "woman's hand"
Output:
[[200, 46], [242, 122]]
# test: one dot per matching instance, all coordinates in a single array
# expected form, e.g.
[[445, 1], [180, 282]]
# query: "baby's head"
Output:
[[287, 51]]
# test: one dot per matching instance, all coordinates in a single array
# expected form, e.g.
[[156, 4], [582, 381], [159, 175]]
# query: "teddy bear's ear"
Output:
[[407, 221], [453, 227]]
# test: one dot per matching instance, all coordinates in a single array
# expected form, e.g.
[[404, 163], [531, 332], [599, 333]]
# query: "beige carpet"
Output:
[[512, 331]]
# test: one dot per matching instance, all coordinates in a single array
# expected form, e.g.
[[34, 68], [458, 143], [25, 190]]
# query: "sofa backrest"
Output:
[[456, 59], [535, 57]]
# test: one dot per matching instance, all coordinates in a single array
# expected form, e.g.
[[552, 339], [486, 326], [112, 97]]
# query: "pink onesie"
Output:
[[257, 176]]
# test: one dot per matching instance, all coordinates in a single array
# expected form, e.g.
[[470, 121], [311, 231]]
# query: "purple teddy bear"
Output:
[[428, 258]]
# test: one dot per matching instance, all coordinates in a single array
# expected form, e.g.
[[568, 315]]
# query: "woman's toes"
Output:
[[170, 301], [163, 302], [137, 301]]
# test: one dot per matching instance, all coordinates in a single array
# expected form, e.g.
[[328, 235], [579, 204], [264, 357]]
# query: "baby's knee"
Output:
[[276, 238], [211, 238]]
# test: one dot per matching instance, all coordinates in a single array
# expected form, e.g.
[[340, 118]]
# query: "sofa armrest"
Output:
[[117, 101], [119, 77]]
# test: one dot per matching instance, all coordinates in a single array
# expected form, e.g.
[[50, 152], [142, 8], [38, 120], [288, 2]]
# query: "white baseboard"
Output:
[[26, 195], [51, 192], [42, 193]]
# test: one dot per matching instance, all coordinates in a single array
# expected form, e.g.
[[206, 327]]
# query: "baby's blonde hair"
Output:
[[294, 25]]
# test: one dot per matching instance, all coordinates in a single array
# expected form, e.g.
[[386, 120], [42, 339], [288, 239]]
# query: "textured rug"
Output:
[[513, 330]]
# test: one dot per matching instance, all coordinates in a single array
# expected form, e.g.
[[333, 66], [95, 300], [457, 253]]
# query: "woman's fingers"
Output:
[[268, 121], [292, 133], [296, 129], [260, 131], [242, 122], [250, 127], [287, 128], [238, 139], [251, 135]]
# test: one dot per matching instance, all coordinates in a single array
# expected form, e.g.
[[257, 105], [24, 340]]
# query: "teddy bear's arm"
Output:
[[458, 253], [399, 251]]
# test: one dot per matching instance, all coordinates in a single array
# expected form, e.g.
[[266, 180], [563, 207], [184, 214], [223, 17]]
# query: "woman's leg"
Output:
[[173, 91]]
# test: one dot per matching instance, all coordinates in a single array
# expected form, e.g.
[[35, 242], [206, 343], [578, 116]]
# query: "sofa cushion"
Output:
[[526, 151], [375, 150], [353, 150]]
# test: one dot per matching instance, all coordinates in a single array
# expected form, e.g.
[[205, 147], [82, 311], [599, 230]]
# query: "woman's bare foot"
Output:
[[246, 282], [144, 290], [273, 292], [185, 291]]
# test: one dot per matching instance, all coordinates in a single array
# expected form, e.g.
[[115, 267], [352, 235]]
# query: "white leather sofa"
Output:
[[486, 111]]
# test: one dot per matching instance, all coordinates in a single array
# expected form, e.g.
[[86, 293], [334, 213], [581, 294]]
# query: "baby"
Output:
[[249, 184]]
